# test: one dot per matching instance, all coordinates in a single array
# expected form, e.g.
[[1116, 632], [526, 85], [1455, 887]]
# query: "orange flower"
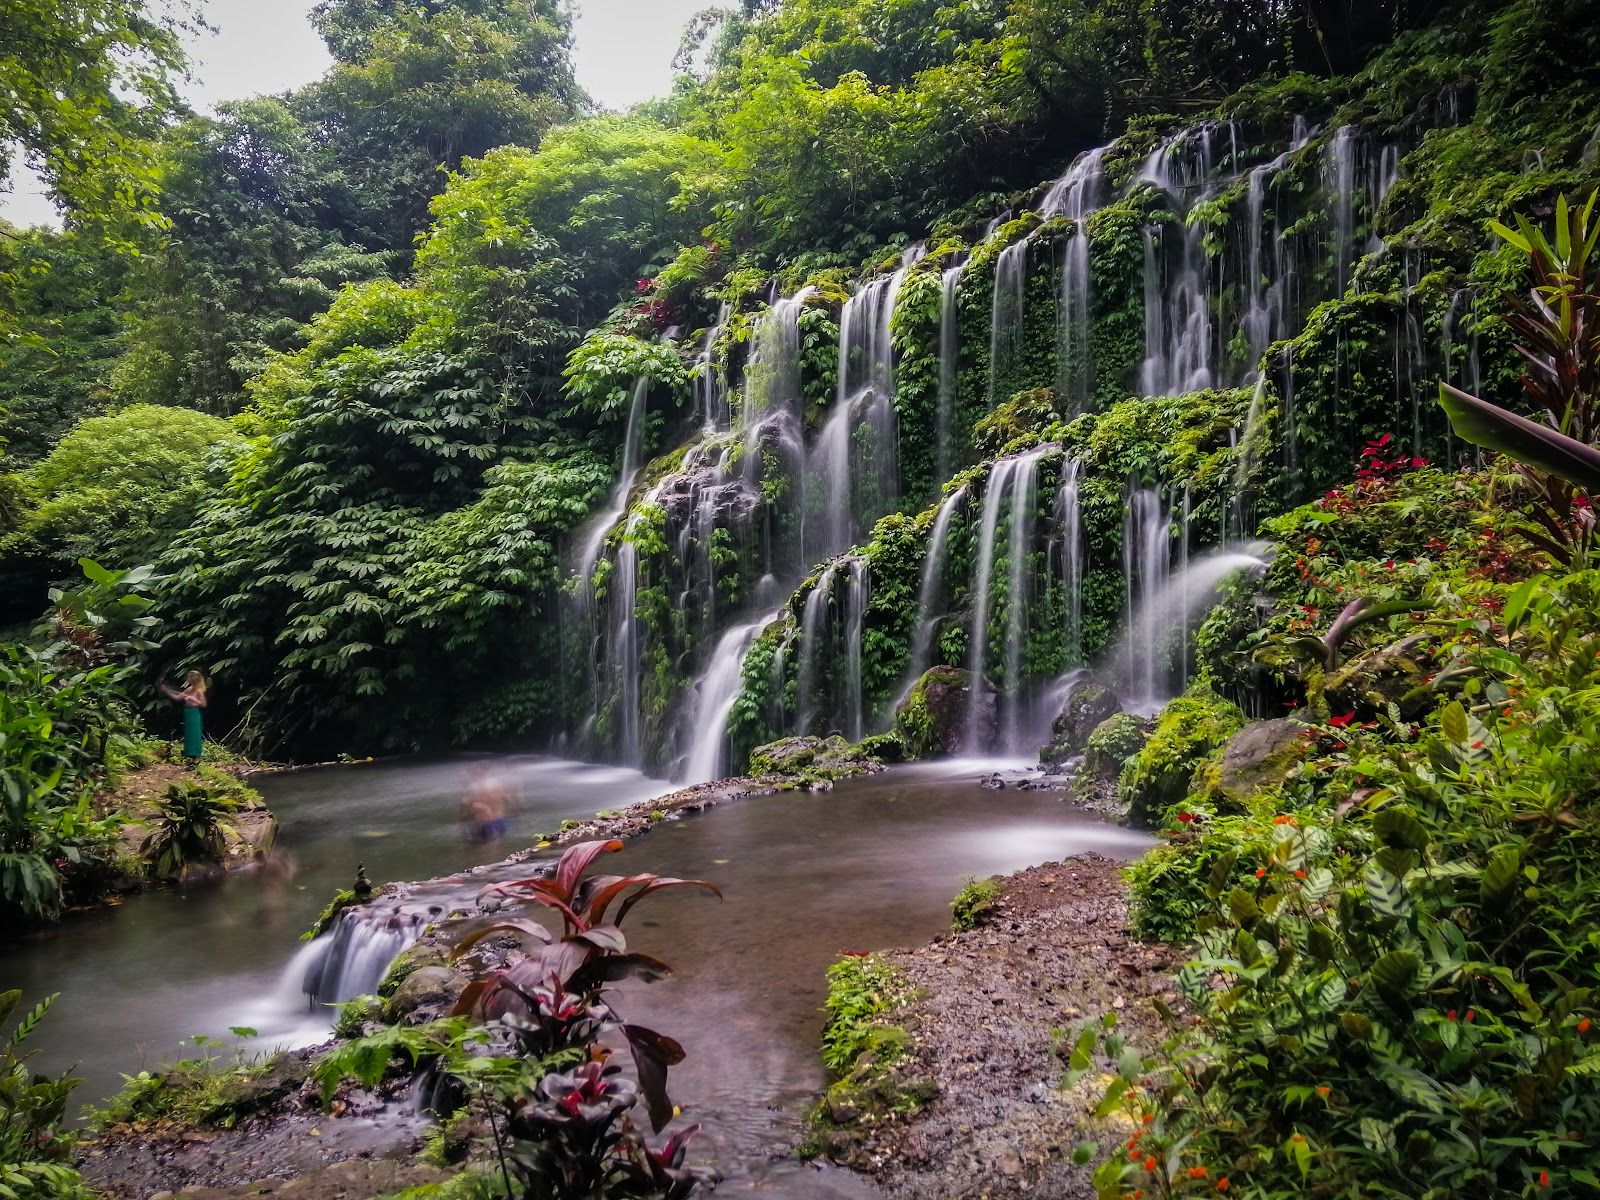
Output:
[[1261, 872], [1583, 1025], [1324, 1090], [1148, 1117], [1299, 874], [1222, 1184], [1198, 1172], [1544, 1179], [1150, 1163]]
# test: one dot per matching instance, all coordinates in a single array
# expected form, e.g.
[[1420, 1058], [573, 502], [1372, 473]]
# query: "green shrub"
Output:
[[976, 897]]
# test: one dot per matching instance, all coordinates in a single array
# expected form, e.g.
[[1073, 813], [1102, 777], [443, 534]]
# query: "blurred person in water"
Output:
[[193, 698], [484, 806]]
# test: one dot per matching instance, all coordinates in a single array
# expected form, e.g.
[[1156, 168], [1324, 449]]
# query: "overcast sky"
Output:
[[623, 55]]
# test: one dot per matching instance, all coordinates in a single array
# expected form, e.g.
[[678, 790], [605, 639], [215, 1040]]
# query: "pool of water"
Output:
[[868, 865]]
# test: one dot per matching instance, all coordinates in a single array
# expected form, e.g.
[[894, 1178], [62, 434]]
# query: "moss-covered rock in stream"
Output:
[[811, 760], [1190, 730], [1087, 706], [1112, 743], [933, 720]]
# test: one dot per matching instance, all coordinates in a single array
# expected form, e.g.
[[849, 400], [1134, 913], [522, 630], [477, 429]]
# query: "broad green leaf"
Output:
[[1534, 445], [1400, 828], [1453, 721], [1499, 877]]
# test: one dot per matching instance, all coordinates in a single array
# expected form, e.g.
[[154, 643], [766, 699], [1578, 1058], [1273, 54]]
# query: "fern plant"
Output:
[[34, 1158]]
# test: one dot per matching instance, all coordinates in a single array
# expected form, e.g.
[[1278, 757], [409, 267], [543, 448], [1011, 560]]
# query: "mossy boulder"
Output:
[[1113, 742], [1088, 705], [811, 759], [411, 960], [1374, 680], [933, 720], [426, 993], [1259, 756], [1190, 731]]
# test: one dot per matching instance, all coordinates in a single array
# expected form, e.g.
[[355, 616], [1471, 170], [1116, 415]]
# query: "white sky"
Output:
[[623, 54]]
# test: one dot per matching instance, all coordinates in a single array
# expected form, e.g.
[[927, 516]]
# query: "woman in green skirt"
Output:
[[193, 698]]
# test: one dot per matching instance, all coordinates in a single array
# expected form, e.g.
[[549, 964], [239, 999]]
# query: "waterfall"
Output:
[[1006, 330], [852, 470], [715, 695], [930, 593], [627, 650], [1069, 513], [1146, 548], [351, 960], [1077, 195], [949, 364], [710, 382], [1167, 610], [632, 450], [1342, 171], [858, 583], [1003, 481], [1246, 459], [1019, 591], [812, 617]]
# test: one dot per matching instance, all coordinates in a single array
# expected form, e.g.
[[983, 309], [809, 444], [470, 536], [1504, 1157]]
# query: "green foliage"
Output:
[[1112, 743], [862, 990], [190, 827], [116, 488], [976, 897], [602, 372], [85, 85], [35, 1158]]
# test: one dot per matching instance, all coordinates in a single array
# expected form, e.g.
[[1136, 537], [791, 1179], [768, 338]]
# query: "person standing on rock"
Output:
[[193, 698]]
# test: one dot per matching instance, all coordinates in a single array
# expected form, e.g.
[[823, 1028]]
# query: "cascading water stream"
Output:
[[1019, 594], [1003, 483], [949, 365], [1069, 512], [858, 585], [1006, 326], [710, 381], [1146, 555], [715, 696], [1077, 195], [811, 620], [931, 592]]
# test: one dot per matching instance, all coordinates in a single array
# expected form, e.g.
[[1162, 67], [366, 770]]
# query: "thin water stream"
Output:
[[868, 865]]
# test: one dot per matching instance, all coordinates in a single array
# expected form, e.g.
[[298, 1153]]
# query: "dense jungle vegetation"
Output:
[[317, 394]]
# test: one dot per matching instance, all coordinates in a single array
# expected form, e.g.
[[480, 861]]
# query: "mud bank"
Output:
[[985, 1009]]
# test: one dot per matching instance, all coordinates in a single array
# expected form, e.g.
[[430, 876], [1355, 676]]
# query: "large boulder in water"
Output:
[[933, 720], [811, 759], [1088, 705]]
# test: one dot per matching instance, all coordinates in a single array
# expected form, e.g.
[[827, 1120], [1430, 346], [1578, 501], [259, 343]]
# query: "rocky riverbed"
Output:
[[986, 1009]]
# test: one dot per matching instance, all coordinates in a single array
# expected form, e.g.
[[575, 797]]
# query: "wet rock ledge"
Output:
[[983, 1009]]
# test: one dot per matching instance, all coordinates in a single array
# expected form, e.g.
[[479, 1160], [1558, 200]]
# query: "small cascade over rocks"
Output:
[[351, 959]]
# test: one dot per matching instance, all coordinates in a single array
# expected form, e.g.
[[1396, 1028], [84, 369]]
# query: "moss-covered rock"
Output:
[[1259, 756], [1088, 706], [1113, 742], [1189, 731], [811, 759], [426, 993], [1389, 675], [411, 960], [933, 719]]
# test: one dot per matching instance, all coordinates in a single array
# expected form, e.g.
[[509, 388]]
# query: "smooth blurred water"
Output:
[[138, 979], [872, 864]]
